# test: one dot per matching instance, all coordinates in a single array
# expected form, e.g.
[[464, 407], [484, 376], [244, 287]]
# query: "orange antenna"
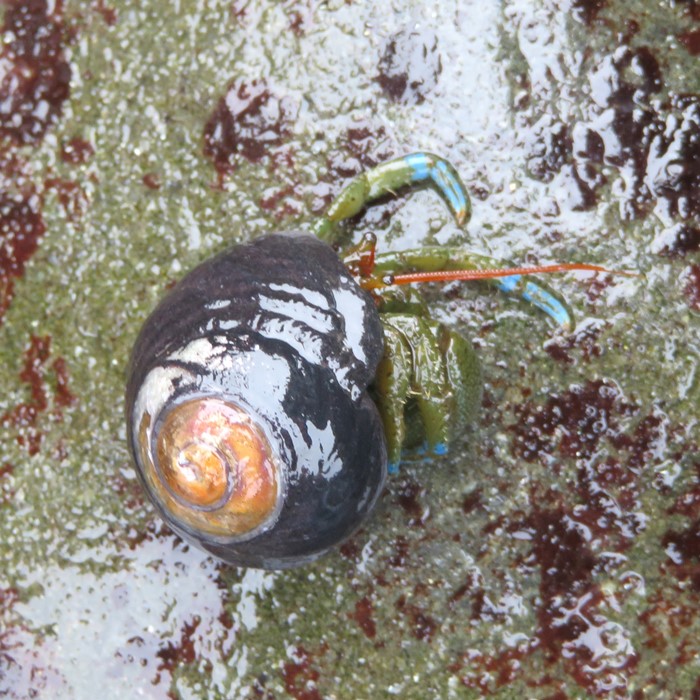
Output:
[[492, 273]]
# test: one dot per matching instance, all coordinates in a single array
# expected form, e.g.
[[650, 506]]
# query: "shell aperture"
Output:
[[216, 467]]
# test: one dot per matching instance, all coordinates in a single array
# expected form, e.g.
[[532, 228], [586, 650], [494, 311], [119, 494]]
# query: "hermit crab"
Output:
[[275, 385]]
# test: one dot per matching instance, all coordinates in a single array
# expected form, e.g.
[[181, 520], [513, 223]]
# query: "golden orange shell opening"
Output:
[[214, 469]]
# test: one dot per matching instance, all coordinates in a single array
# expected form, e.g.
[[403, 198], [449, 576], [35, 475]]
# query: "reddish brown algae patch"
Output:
[[301, 675], [24, 417], [77, 151], [36, 76], [577, 536], [692, 287], [21, 228], [410, 67], [363, 615], [249, 121], [34, 85]]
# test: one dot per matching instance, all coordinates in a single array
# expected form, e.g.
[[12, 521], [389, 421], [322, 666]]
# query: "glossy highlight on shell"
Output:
[[248, 413]]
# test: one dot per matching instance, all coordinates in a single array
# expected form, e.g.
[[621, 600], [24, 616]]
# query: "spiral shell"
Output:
[[247, 410]]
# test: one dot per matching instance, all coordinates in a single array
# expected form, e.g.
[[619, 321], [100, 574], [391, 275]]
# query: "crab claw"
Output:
[[416, 169]]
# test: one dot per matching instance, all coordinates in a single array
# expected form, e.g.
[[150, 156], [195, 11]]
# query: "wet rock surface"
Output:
[[555, 552]]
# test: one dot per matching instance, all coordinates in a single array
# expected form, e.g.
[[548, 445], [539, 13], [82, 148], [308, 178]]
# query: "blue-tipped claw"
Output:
[[539, 296], [387, 179], [429, 168], [440, 449]]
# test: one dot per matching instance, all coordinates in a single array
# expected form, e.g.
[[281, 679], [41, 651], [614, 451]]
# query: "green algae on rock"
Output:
[[576, 127]]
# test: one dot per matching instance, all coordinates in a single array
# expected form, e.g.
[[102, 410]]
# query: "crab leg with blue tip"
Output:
[[418, 169], [428, 385]]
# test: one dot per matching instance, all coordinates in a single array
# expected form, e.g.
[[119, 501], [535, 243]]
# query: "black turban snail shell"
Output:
[[248, 411]]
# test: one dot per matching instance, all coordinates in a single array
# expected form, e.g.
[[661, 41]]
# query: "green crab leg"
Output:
[[386, 179], [392, 384], [412, 368], [443, 264], [433, 368]]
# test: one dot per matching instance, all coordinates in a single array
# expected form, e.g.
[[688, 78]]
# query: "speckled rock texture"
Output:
[[555, 552]]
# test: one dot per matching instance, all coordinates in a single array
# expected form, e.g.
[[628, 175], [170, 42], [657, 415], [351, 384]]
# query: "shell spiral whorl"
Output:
[[247, 410]]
